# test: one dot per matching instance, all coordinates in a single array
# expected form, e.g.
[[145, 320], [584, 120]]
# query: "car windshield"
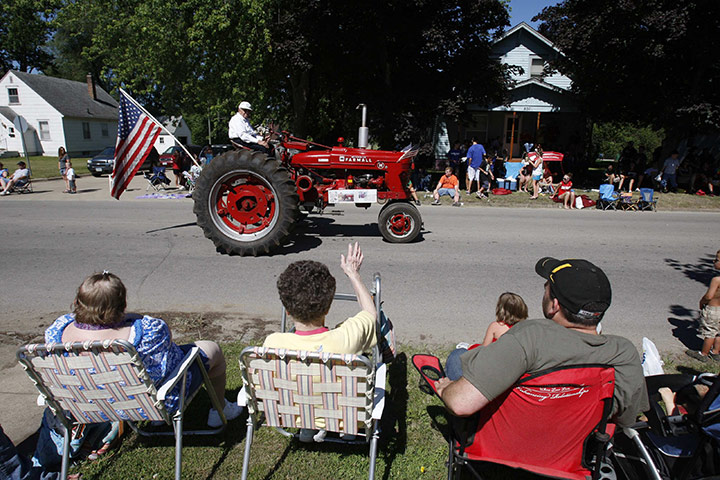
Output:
[[109, 151], [169, 151]]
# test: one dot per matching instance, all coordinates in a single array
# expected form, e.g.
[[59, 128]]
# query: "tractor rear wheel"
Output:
[[399, 222], [245, 203]]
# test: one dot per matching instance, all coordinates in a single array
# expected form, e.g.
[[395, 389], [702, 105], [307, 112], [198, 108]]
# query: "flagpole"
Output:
[[161, 126]]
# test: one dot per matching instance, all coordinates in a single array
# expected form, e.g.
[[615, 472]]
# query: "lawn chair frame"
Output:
[[280, 386], [102, 381]]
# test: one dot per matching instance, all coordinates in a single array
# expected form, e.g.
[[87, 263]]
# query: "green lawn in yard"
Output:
[[46, 167], [412, 445]]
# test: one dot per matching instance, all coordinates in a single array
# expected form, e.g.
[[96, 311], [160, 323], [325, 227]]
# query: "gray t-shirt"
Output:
[[531, 346]]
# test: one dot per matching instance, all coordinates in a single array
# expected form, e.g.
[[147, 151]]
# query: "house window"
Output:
[[104, 129], [13, 96], [162, 139], [11, 132], [44, 128], [537, 68], [86, 130]]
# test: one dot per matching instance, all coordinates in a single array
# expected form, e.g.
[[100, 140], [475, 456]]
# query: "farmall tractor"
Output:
[[248, 202]]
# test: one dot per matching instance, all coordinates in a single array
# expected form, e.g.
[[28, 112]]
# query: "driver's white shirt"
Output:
[[239, 127]]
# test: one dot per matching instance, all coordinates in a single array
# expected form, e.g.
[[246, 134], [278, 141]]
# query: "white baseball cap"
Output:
[[245, 106]]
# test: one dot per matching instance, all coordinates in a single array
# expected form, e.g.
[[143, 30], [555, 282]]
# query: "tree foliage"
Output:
[[306, 65], [610, 138], [653, 61], [24, 32]]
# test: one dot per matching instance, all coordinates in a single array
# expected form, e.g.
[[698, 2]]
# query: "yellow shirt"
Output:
[[355, 335]]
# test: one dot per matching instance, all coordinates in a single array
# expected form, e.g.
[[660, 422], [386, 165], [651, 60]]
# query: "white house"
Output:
[[81, 117], [176, 126], [539, 107]]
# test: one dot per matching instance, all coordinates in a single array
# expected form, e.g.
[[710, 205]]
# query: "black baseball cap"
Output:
[[577, 283]]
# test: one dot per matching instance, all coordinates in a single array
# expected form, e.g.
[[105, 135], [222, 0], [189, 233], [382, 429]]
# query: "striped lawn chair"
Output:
[[294, 389], [96, 382]]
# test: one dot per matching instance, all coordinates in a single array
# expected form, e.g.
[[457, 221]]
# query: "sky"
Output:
[[524, 10]]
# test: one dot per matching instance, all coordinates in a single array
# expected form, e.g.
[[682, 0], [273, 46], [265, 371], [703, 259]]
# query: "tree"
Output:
[[408, 60], [652, 61], [24, 31]]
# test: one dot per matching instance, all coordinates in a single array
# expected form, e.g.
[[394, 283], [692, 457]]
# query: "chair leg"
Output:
[[178, 425], [451, 460], [248, 444], [373, 449], [66, 455]]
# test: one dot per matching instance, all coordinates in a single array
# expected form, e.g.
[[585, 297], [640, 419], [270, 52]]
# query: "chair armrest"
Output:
[[177, 374], [242, 397], [379, 400]]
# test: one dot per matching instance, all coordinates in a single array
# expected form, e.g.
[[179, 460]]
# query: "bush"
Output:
[[610, 138]]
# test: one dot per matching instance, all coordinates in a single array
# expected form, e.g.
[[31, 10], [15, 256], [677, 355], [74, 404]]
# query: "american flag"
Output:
[[137, 133]]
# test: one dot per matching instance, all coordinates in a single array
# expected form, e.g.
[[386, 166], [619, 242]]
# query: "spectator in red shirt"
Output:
[[448, 185], [564, 192]]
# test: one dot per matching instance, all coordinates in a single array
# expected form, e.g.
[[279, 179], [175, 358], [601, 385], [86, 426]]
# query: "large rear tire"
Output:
[[245, 203], [399, 222]]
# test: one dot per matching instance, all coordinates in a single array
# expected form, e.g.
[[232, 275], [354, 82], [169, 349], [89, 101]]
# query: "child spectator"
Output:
[[564, 192], [413, 192], [448, 185], [4, 176], [307, 289], [510, 309], [710, 320], [70, 174]]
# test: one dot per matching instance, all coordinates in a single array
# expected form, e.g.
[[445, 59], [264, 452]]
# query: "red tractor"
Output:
[[248, 202]]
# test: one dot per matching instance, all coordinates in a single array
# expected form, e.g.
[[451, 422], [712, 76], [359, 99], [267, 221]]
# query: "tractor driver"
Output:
[[241, 132]]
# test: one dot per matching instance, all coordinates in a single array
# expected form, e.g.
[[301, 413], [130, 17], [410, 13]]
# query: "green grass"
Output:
[[665, 201], [412, 444], [46, 167]]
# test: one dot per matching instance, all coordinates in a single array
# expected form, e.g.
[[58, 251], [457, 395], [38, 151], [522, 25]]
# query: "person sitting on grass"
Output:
[[448, 185], [307, 289], [510, 309], [99, 314], [564, 193]]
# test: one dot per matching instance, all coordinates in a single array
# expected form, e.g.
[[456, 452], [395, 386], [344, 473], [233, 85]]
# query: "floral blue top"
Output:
[[152, 339]]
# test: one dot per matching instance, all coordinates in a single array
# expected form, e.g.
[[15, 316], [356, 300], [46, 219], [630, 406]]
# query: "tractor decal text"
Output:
[[355, 159]]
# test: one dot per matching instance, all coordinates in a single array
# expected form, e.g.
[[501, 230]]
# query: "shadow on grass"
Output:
[[702, 271], [685, 326], [393, 425]]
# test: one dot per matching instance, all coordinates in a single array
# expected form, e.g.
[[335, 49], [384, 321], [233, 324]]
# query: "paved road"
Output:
[[441, 289]]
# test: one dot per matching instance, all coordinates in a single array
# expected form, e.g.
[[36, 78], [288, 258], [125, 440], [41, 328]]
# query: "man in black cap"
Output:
[[577, 294]]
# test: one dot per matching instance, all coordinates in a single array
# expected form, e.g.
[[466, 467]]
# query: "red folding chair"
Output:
[[551, 423]]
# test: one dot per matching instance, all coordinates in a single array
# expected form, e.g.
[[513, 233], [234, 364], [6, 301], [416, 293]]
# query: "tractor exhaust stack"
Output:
[[363, 130]]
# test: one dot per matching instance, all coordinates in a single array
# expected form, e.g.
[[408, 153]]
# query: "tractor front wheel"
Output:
[[245, 203], [399, 222]]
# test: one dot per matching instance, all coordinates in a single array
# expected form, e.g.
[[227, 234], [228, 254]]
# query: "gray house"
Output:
[[81, 117], [538, 108]]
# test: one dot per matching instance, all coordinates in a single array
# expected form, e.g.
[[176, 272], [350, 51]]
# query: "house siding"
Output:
[[33, 108], [76, 145]]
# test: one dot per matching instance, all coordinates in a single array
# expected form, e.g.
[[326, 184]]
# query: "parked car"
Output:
[[176, 158], [102, 163]]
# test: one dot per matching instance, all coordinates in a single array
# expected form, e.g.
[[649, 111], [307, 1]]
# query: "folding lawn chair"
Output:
[[608, 199], [626, 202], [295, 389], [676, 446], [551, 423], [646, 201], [96, 382], [157, 180]]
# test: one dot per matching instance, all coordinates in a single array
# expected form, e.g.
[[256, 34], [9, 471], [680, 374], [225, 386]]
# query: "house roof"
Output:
[[8, 113], [171, 123], [539, 82], [71, 98], [529, 29]]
